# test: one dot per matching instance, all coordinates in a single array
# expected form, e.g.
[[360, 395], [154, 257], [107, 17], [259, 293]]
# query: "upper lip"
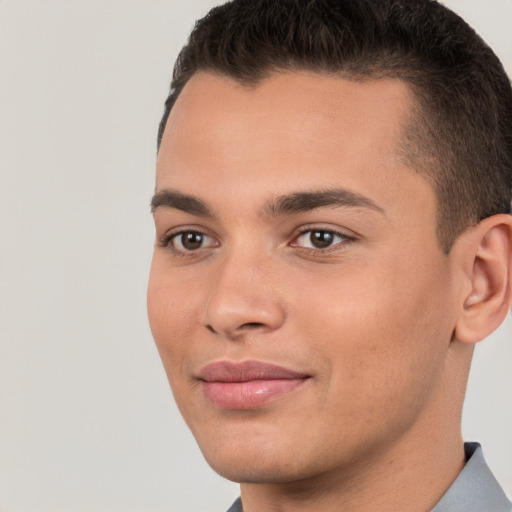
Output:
[[244, 371]]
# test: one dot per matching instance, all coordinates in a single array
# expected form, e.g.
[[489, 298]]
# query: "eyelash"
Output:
[[166, 241], [346, 239]]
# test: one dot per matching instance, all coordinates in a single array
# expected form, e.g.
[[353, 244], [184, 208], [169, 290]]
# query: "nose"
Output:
[[244, 298]]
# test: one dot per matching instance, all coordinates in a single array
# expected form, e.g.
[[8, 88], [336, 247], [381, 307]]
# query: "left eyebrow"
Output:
[[302, 202], [179, 201]]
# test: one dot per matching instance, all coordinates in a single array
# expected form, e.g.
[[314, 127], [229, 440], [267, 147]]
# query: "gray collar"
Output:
[[475, 489]]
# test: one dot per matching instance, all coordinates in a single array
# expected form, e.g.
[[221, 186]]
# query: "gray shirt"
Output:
[[474, 490]]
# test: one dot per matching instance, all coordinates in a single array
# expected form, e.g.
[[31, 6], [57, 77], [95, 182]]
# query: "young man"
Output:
[[334, 236]]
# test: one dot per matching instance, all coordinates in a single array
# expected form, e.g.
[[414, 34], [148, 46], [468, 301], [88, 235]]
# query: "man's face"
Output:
[[298, 295]]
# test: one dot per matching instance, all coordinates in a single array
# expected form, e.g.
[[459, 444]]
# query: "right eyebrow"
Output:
[[172, 199], [306, 201]]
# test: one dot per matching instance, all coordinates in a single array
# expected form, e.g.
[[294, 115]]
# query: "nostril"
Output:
[[251, 325], [238, 331]]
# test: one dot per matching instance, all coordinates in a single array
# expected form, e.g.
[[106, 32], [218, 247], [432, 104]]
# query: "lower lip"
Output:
[[250, 394]]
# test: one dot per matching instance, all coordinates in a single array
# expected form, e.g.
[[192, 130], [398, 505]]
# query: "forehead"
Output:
[[291, 131], [292, 103], [215, 111]]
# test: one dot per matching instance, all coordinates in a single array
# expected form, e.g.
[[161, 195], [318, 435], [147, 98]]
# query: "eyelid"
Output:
[[346, 235], [166, 240]]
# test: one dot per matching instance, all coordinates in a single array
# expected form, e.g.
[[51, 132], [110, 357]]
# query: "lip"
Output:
[[247, 384]]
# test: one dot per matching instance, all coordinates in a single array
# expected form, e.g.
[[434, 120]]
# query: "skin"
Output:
[[372, 319]]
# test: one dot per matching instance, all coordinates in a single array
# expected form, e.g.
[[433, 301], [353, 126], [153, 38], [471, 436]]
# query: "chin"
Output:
[[241, 454], [242, 468], [255, 458]]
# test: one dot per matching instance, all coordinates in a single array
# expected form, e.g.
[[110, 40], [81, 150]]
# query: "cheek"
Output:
[[172, 320], [172, 314], [381, 331]]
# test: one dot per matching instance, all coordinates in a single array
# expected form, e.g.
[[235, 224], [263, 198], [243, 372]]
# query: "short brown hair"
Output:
[[460, 138]]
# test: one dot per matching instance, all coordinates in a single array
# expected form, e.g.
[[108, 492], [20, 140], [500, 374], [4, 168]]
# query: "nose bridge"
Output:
[[243, 294]]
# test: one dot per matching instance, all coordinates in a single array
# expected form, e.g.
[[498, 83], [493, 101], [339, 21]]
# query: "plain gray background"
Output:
[[87, 422]]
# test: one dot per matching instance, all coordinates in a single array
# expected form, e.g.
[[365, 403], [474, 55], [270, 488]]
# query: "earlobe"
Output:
[[484, 308]]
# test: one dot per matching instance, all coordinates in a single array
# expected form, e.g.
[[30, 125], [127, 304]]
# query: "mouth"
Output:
[[247, 384]]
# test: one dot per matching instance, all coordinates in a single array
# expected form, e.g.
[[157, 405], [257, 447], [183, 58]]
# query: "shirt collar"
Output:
[[475, 489]]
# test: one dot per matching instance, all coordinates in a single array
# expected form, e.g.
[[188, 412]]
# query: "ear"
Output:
[[488, 261]]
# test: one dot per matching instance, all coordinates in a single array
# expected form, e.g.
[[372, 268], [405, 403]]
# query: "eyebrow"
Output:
[[301, 202], [297, 202], [185, 203]]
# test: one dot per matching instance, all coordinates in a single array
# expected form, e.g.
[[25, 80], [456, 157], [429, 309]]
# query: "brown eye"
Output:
[[321, 239], [189, 241]]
